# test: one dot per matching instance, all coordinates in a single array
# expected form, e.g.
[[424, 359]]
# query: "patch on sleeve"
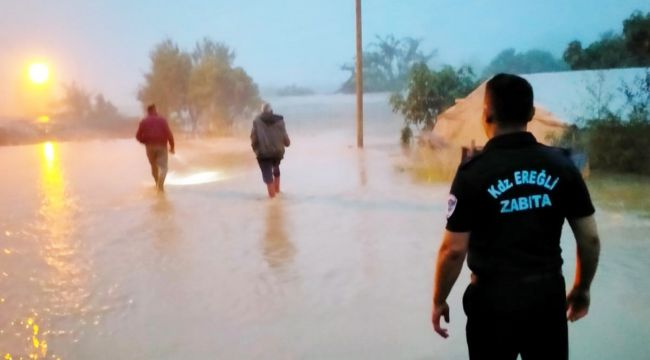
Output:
[[451, 205]]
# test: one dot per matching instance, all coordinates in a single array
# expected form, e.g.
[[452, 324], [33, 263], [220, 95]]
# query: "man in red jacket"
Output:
[[154, 133]]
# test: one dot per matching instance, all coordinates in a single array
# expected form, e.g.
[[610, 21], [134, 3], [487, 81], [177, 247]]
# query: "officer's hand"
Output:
[[577, 304], [439, 311]]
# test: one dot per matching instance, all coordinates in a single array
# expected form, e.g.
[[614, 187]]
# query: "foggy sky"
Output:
[[104, 45]]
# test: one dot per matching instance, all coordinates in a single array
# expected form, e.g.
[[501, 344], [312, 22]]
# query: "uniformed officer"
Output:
[[506, 210]]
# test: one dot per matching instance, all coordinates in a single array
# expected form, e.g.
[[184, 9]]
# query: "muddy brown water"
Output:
[[95, 265]]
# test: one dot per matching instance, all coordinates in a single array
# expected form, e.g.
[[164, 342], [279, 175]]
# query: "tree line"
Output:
[[203, 90], [421, 93], [628, 48], [198, 90], [388, 60]]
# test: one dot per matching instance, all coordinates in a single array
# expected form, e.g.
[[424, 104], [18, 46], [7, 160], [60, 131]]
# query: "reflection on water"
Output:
[[35, 347], [63, 276], [66, 276], [164, 222], [277, 248], [60, 249], [203, 177], [363, 169]]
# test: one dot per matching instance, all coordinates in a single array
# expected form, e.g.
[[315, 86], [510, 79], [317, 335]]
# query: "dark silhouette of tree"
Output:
[[613, 50], [386, 64], [531, 61], [636, 30]]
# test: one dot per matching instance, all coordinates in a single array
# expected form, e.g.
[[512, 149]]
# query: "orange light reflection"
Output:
[[65, 277], [48, 152]]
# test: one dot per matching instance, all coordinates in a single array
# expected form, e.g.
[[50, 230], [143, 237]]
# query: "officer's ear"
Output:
[[532, 114]]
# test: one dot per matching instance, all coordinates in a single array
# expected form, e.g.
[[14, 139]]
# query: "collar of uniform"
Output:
[[512, 140]]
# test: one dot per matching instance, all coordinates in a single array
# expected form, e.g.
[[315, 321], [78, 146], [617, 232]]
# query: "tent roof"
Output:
[[461, 124]]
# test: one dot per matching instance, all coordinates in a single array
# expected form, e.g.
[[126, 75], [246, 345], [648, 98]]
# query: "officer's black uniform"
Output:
[[513, 198]]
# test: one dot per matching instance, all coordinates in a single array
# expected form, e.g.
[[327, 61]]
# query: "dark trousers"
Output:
[[505, 319], [270, 169]]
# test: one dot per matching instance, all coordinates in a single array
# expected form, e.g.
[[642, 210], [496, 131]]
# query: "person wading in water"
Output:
[[268, 139], [154, 133]]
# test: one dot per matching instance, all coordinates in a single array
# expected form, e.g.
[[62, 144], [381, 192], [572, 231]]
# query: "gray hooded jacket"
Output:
[[269, 136]]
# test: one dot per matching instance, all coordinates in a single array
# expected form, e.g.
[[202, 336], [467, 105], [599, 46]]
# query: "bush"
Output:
[[615, 142], [617, 145], [406, 135], [430, 92]]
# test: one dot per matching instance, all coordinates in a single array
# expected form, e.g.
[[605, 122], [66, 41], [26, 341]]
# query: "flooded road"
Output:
[[95, 265]]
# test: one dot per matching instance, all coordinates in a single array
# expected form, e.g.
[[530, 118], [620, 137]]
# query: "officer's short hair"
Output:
[[510, 98], [266, 108]]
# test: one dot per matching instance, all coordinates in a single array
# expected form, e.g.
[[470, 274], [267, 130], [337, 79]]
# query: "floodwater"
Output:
[[95, 265]]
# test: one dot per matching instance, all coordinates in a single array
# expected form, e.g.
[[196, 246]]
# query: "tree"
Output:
[[76, 104], [218, 93], [531, 61], [386, 64], [166, 84], [636, 30], [616, 140], [573, 55], [614, 50], [198, 88], [81, 106], [104, 110], [244, 96], [430, 92], [208, 48], [608, 52]]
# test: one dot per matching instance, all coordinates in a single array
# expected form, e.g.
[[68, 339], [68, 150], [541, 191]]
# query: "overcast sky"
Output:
[[103, 45]]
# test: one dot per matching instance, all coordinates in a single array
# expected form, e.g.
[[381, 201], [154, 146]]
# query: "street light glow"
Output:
[[39, 73]]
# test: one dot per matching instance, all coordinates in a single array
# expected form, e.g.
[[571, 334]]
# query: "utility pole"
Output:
[[359, 79]]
